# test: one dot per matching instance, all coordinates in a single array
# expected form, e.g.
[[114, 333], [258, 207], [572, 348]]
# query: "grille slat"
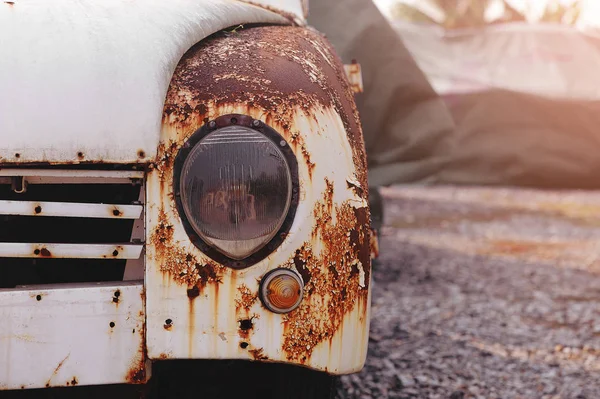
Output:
[[69, 209], [68, 226]]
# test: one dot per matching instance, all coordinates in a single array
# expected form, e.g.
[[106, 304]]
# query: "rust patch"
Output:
[[44, 253], [9, 3], [274, 70], [73, 381], [257, 354], [163, 356], [136, 375], [193, 292], [355, 186], [180, 264], [300, 264], [137, 371], [168, 324], [340, 273], [116, 297], [245, 298]]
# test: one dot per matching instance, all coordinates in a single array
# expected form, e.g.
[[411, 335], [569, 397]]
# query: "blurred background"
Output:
[[490, 92]]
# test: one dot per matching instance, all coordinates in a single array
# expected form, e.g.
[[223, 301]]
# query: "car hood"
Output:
[[85, 80]]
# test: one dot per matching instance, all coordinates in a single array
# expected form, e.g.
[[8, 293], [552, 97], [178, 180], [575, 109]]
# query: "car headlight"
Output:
[[236, 183]]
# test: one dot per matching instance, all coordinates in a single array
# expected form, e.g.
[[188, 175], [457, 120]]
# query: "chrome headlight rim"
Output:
[[292, 162]]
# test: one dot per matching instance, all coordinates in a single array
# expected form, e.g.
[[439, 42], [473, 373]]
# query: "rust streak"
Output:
[[48, 383], [340, 273]]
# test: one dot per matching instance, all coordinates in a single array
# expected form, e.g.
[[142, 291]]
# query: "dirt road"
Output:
[[485, 293]]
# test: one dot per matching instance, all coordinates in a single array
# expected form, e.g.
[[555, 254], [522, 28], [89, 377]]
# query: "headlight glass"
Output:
[[236, 189]]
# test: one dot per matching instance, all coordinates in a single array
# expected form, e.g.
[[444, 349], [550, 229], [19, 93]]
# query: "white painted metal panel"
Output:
[[75, 251], [63, 336], [69, 209], [86, 79]]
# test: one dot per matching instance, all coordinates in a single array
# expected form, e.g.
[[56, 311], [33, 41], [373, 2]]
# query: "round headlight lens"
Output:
[[236, 189]]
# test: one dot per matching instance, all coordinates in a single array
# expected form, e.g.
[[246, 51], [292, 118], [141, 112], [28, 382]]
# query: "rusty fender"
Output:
[[289, 78]]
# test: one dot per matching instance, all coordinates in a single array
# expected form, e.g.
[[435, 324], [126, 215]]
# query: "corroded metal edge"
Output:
[[289, 78]]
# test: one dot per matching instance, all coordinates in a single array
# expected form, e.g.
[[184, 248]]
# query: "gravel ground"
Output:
[[485, 293]]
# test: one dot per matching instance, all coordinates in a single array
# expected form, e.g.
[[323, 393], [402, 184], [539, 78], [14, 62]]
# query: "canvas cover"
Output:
[[509, 102]]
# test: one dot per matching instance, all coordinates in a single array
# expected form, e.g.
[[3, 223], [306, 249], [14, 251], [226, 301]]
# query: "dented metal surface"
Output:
[[288, 78], [72, 335]]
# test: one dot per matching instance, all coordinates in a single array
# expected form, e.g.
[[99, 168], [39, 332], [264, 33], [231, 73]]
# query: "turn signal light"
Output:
[[281, 290]]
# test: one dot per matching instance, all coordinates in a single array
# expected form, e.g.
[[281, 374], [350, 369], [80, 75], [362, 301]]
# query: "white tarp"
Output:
[[549, 60]]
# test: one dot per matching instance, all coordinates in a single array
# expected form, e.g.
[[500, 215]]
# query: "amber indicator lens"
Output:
[[236, 190], [281, 290]]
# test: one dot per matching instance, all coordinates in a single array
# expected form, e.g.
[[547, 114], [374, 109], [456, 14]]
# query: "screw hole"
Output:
[[243, 345], [141, 154], [17, 155], [117, 293], [38, 209], [80, 155], [115, 253], [234, 120], [168, 322], [112, 324], [38, 297], [36, 252], [116, 212]]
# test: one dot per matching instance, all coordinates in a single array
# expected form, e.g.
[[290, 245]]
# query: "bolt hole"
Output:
[[38, 209], [243, 345], [246, 324], [38, 297], [115, 252], [112, 324], [36, 252]]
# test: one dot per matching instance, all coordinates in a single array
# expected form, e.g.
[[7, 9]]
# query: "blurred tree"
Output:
[[453, 14]]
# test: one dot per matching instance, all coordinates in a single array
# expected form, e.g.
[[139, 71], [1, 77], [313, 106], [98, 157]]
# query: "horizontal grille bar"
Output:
[[68, 209], [62, 176], [62, 173], [73, 251]]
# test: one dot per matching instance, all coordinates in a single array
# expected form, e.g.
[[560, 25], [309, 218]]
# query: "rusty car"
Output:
[[181, 183]]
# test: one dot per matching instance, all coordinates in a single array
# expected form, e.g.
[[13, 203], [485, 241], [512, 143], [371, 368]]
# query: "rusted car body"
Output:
[[252, 67]]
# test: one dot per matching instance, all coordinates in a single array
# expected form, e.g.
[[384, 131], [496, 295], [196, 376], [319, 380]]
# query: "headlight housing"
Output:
[[236, 188]]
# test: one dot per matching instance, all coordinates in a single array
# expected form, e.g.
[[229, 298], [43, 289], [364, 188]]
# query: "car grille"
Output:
[[70, 226]]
